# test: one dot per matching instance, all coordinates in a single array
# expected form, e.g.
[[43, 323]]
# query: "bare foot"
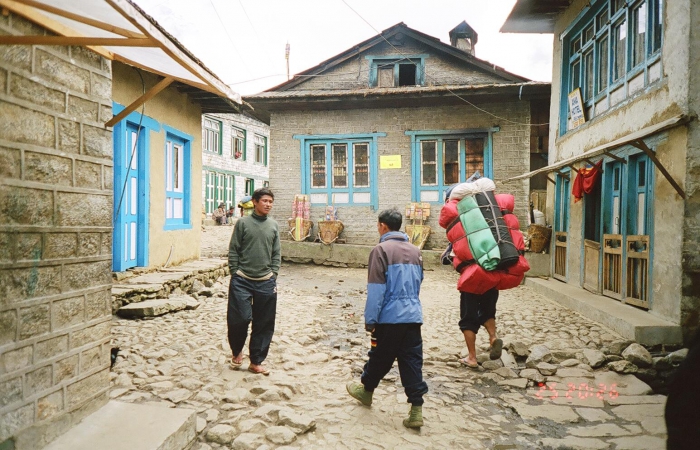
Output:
[[238, 360]]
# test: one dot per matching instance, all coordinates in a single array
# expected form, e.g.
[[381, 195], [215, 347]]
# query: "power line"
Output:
[[267, 56], [434, 80], [226, 30]]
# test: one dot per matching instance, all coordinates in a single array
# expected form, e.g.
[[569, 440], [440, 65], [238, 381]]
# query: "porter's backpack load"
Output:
[[473, 277]]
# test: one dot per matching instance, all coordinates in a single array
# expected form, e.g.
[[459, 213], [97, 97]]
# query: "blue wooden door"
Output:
[[613, 230], [128, 197]]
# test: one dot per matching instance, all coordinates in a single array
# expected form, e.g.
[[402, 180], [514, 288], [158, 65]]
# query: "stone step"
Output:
[[157, 307], [630, 322], [119, 425]]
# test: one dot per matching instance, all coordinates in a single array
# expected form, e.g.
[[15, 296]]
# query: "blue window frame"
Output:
[[441, 158], [177, 179], [396, 70], [606, 47], [340, 169]]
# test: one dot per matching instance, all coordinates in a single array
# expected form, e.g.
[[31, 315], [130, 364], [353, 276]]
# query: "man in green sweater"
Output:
[[254, 261]]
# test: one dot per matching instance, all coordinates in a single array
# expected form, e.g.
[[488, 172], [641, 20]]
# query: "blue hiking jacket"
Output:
[[394, 276]]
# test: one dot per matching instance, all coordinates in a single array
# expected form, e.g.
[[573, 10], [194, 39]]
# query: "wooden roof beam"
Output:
[[75, 40], [85, 20], [52, 25]]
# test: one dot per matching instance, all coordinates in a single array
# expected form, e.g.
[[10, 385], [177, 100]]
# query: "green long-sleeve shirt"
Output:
[[255, 247]]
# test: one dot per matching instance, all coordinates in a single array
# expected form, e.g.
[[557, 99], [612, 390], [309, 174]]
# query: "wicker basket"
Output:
[[329, 230], [301, 234], [418, 234], [539, 237]]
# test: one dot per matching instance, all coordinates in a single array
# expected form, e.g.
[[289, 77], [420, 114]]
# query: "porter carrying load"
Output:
[[484, 260]]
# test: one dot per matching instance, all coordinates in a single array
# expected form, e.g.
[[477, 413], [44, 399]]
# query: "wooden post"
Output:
[[643, 147], [140, 101]]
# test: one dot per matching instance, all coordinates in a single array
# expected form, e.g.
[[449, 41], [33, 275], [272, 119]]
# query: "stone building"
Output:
[[58, 189], [234, 158], [393, 120], [625, 95]]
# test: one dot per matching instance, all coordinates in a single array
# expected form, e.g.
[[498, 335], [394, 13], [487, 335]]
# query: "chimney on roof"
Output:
[[464, 37]]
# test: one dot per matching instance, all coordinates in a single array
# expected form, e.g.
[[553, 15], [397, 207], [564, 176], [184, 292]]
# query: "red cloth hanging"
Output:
[[586, 179]]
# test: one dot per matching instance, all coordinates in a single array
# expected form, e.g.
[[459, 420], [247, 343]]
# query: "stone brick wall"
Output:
[[511, 153], [439, 70], [239, 168], [55, 236]]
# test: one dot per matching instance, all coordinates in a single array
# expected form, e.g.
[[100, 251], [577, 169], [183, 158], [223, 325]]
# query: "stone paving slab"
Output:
[[121, 425], [181, 360]]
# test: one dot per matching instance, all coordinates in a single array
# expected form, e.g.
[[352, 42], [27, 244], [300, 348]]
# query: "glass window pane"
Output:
[[619, 46], [575, 45], [361, 176], [642, 174], [428, 153], [639, 33], [641, 213], [588, 72], [657, 25], [429, 175], [429, 163], [575, 75], [168, 166], [474, 156], [588, 34], [603, 64], [601, 20], [318, 166], [617, 5], [177, 182], [340, 165], [450, 161]]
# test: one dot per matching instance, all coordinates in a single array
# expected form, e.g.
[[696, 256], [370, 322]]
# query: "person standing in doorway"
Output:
[[254, 260], [394, 316]]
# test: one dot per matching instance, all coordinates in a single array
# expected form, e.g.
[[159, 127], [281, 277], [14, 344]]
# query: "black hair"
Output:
[[392, 218], [258, 194]]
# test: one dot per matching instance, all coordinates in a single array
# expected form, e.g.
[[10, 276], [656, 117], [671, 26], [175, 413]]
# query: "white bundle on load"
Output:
[[463, 189]]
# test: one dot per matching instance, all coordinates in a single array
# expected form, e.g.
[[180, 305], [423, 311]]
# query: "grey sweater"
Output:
[[255, 247]]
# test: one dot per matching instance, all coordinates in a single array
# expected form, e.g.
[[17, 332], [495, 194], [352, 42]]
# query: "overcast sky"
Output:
[[243, 40]]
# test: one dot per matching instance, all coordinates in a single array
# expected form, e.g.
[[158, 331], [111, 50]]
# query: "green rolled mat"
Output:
[[481, 242]]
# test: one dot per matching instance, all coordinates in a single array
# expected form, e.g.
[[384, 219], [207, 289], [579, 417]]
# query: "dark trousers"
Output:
[[402, 342], [476, 309], [256, 302]]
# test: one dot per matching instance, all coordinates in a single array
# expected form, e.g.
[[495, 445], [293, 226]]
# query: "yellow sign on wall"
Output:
[[390, 162]]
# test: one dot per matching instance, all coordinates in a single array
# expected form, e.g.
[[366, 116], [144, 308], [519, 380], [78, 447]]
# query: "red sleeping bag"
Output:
[[473, 278]]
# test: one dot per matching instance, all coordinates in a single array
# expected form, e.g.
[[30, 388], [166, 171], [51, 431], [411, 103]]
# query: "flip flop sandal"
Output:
[[465, 363], [496, 350], [235, 365], [262, 371]]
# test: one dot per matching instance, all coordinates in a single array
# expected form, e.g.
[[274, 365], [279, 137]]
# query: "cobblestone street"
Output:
[[180, 360]]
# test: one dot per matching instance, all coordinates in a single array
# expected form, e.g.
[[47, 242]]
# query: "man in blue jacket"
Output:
[[394, 316]]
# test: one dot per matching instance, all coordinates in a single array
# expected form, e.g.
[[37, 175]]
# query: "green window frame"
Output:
[[260, 150], [238, 143], [211, 135], [610, 44]]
